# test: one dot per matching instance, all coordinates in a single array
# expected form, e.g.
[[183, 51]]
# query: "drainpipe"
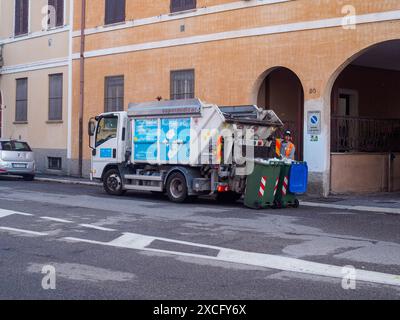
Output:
[[82, 86]]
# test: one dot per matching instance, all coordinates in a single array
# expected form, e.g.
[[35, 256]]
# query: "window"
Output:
[[114, 94], [106, 130], [115, 11], [58, 19], [15, 146], [54, 163], [182, 5], [182, 84], [6, 146], [21, 17], [21, 106], [55, 96]]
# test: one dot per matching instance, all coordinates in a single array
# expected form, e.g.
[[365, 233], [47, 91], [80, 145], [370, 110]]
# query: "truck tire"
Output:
[[112, 183], [177, 190]]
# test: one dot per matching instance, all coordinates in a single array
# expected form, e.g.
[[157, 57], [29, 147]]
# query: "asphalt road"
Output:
[[141, 246]]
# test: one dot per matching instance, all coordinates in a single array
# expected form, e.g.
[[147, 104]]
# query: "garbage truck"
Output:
[[184, 148]]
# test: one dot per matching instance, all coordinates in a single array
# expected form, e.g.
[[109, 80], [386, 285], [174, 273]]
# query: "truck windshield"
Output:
[[106, 130], [14, 146]]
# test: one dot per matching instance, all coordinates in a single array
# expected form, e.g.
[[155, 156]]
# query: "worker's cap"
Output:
[[288, 133]]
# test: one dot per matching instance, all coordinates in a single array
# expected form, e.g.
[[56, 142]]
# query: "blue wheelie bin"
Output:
[[293, 180]]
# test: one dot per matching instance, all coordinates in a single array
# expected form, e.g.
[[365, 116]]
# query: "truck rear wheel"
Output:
[[177, 190], [112, 183]]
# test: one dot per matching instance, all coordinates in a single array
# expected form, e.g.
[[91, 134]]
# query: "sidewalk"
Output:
[[388, 203], [66, 180], [384, 202]]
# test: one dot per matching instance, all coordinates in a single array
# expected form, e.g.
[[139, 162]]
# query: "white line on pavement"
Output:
[[140, 242], [346, 207], [91, 226], [56, 219], [35, 233], [6, 213]]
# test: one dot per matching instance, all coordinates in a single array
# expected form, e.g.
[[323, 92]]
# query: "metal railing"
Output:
[[354, 134]]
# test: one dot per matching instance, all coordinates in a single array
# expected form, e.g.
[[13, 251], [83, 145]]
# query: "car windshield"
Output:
[[14, 146]]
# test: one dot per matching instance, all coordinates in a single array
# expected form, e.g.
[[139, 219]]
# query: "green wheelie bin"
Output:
[[283, 197], [262, 184]]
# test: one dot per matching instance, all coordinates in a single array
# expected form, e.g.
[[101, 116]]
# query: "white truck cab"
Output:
[[108, 142]]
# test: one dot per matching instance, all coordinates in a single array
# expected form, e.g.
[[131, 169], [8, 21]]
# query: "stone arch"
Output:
[[361, 124], [279, 88]]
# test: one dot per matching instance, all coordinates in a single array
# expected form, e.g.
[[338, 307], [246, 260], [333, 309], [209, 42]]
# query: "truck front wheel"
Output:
[[177, 190], [112, 183]]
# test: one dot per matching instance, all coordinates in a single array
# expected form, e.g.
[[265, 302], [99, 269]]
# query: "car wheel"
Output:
[[28, 177], [177, 190], [112, 183]]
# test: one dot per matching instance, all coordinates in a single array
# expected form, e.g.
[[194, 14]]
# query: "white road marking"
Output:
[[34, 233], [56, 219], [140, 242], [346, 207], [91, 226], [6, 213]]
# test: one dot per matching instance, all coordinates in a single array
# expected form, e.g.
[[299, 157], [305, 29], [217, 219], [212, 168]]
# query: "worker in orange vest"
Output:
[[286, 148]]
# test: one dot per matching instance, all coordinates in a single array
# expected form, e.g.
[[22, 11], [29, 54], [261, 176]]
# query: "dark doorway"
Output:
[[282, 92]]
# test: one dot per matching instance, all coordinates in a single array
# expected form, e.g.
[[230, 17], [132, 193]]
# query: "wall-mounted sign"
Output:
[[314, 122]]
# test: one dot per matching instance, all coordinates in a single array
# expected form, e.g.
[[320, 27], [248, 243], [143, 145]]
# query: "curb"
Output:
[[349, 207], [64, 181]]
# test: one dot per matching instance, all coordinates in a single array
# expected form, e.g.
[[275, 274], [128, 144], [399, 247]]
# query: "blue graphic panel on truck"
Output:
[[145, 140], [106, 153], [175, 140]]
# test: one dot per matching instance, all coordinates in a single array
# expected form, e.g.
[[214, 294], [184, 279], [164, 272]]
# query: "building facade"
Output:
[[329, 69], [34, 78]]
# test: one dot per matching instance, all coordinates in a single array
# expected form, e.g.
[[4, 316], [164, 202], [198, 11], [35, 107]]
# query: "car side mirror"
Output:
[[91, 127]]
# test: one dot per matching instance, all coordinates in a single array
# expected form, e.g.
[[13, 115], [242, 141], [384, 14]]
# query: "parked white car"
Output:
[[17, 158]]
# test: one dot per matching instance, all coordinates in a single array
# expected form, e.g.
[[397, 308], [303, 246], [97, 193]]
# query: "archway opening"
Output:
[[365, 122], [282, 92]]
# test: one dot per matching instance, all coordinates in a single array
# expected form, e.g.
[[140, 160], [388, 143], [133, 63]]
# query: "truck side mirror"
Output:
[[91, 127]]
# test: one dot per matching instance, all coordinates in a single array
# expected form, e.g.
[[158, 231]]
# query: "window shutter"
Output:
[[60, 12], [25, 16], [114, 94], [55, 96], [17, 17], [182, 84], [181, 5], [21, 112], [115, 11], [108, 12]]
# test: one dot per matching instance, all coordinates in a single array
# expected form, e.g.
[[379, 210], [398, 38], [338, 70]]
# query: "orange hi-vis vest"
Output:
[[288, 150]]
